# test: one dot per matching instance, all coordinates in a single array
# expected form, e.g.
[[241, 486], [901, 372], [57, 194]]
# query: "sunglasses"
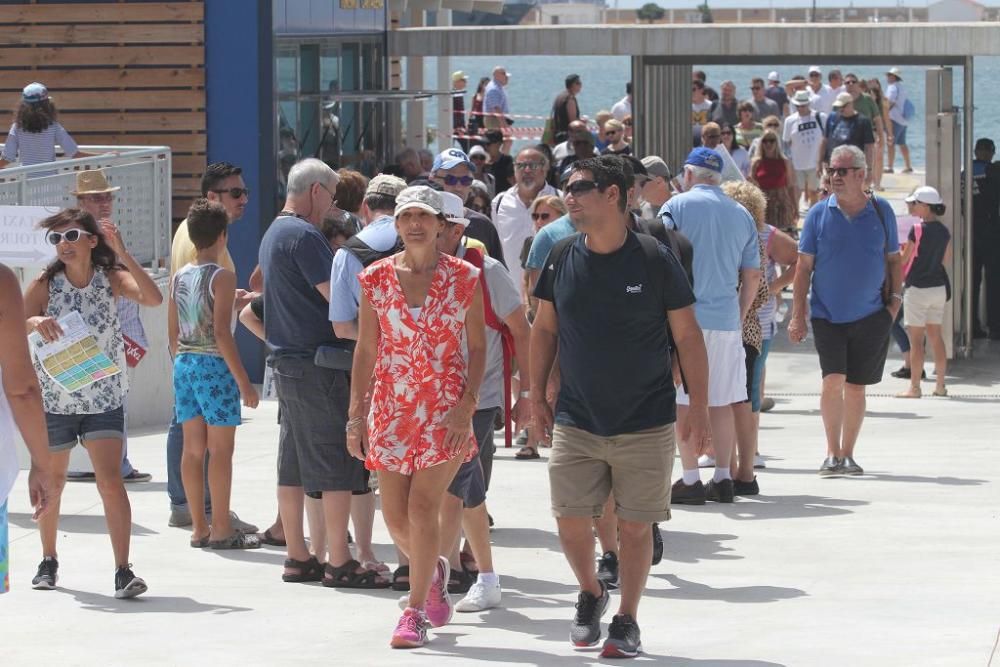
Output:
[[768, 141], [726, 133], [840, 171], [478, 158], [540, 216], [70, 236], [236, 193], [611, 133], [577, 188], [712, 136], [456, 180], [533, 166], [756, 87], [850, 82], [99, 197]]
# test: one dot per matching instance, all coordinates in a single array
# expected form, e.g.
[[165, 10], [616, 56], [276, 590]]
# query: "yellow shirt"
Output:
[[477, 244], [182, 251]]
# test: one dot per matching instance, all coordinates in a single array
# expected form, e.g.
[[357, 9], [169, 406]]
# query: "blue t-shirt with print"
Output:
[[849, 259], [547, 237]]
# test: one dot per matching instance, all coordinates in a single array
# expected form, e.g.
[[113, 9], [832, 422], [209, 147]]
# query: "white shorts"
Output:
[[806, 178], [727, 369], [924, 305]]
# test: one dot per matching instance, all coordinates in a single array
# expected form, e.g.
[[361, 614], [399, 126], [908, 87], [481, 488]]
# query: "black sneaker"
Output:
[[745, 488], [460, 581], [586, 627], [127, 585], [47, 576], [623, 638], [903, 373], [607, 569], [657, 544], [683, 494], [720, 492]]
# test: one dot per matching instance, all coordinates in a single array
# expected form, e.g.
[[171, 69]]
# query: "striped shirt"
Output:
[[37, 147], [768, 311], [495, 96]]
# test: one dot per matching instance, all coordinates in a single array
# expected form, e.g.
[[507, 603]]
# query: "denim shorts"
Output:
[[65, 431], [898, 133], [204, 387]]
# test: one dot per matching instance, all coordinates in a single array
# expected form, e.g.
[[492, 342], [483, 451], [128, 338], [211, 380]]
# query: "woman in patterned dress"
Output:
[[416, 309], [86, 277]]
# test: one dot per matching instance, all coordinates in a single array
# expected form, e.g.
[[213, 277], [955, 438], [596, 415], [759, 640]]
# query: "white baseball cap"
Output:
[[925, 194], [773, 76], [454, 209], [815, 70]]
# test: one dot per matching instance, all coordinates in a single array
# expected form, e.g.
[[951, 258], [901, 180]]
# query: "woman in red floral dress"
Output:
[[416, 309]]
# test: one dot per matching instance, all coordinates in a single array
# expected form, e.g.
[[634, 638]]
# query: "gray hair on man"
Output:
[[857, 156], [703, 175], [308, 171]]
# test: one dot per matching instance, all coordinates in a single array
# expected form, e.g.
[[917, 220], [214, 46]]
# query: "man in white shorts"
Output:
[[804, 135], [726, 253]]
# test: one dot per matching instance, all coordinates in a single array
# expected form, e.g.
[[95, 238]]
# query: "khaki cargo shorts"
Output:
[[584, 468]]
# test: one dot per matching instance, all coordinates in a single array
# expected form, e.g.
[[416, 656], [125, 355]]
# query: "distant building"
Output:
[[955, 11]]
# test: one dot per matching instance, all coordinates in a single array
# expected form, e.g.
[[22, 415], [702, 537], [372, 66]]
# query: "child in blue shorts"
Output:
[[209, 378]]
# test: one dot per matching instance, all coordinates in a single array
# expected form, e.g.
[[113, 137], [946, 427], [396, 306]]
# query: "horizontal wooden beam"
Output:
[[119, 56], [134, 121], [60, 80], [103, 12], [178, 143], [138, 33], [124, 100]]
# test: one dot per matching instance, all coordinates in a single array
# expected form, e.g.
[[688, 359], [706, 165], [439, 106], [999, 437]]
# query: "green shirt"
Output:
[[866, 106]]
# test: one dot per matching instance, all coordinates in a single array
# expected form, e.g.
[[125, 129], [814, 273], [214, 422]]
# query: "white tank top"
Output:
[[8, 456]]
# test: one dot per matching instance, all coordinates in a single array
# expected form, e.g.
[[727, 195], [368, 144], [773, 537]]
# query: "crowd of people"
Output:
[[578, 300]]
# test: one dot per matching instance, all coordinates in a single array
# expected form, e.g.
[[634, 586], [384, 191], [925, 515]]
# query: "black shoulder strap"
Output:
[[368, 255], [559, 250], [819, 122], [674, 240], [881, 218]]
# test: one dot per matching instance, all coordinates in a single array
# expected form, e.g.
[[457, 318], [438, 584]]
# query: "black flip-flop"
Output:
[[347, 576], [524, 456], [270, 540]]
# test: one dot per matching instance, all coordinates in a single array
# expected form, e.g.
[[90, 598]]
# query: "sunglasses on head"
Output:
[[840, 171], [70, 236], [580, 187], [235, 193], [456, 180], [540, 216]]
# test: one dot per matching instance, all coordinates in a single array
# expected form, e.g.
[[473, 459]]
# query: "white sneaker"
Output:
[[706, 461], [758, 463], [404, 602], [479, 598]]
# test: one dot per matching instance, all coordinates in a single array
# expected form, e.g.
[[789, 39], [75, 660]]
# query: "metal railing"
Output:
[[142, 208]]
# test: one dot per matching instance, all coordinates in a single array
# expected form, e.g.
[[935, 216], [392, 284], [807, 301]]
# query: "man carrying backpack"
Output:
[[803, 133], [606, 298]]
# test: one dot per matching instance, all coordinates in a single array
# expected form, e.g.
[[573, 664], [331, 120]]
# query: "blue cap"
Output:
[[705, 157], [34, 93], [450, 159]]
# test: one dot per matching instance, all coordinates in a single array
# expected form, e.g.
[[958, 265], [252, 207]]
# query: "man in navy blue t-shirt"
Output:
[[606, 297], [295, 259]]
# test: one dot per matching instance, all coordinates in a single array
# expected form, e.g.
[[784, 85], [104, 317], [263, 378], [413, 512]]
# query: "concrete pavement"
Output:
[[895, 568]]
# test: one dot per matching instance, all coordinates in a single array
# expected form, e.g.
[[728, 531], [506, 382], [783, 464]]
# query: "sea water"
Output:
[[536, 80]]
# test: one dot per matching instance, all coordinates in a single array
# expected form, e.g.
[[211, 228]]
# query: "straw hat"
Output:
[[92, 182]]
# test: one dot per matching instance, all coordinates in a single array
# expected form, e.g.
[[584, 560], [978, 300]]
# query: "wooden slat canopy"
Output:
[[120, 73]]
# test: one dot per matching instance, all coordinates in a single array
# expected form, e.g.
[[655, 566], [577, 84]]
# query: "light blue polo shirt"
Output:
[[849, 259], [545, 239], [724, 238], [345, 290]]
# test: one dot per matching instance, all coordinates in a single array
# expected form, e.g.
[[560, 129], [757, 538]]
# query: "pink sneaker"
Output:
[[439, 606], [411, 631]]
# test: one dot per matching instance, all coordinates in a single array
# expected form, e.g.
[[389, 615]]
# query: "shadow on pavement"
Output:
[[691, 590], [77, 523], [881, 476], [151, 603], [681, 547], [782, 507], [527, 538]]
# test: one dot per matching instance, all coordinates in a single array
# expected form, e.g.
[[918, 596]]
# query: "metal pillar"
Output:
[[416, 132], [661, 100], [444, 106], [967, 157]]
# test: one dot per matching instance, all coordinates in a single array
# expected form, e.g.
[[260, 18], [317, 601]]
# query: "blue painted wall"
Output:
[[239, 64]]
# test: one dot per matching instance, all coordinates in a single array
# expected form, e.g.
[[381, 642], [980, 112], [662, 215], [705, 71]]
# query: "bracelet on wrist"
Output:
[[354, 423], [524, 394]]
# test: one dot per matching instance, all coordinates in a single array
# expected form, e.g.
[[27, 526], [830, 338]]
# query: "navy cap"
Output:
[[705, 157]]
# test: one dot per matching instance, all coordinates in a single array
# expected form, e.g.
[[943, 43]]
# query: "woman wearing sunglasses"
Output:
[[736, 151], [86, 277], [773, 173]]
